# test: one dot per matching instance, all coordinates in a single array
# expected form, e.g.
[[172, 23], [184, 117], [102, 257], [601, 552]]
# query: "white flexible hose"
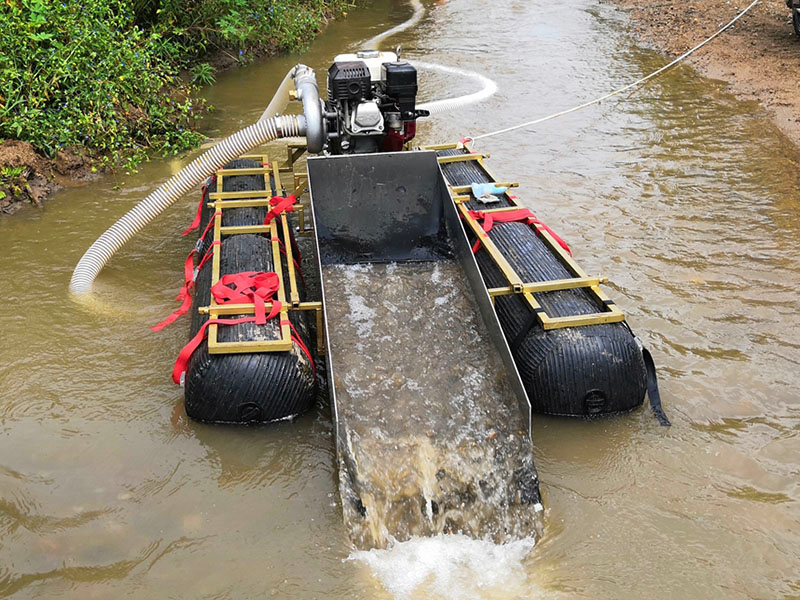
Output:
[[419, 12], [190, 176], [488, 88]]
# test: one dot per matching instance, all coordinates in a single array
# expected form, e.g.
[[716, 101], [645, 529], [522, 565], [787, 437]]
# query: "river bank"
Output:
[[758, 56], [29, 176], [91, 86]]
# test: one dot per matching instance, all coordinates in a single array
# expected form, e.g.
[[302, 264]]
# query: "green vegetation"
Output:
[[11, 182], [82, 74], [115, 78], [235, 27]]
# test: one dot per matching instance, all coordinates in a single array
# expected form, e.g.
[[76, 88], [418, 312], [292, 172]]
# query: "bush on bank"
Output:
[[195, 27], [109, 77], [82, 74]]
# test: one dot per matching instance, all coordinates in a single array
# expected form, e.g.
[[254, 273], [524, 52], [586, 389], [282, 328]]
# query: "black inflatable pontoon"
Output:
[[237, 385], [574, 351]]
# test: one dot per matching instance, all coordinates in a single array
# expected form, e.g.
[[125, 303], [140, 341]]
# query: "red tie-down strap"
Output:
[[201, 240], [182, 362], [203, 195], [279, 205], [186, 353], [189, 278], [296, 339], [250, 287], [512, 216]]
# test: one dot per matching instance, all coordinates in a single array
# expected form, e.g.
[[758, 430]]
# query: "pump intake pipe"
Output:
[[264, 130], [305, 82]]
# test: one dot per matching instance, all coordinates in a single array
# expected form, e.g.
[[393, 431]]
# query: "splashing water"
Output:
[[455, 567], [431, 438]]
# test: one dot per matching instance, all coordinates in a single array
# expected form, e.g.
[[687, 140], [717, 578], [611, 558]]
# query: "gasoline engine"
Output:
[[371, 104]]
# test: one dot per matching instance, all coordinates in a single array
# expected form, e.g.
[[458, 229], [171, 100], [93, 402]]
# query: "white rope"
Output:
[[641, 81]]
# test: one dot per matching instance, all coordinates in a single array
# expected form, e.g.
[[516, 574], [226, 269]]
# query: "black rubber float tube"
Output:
[[246, 388]]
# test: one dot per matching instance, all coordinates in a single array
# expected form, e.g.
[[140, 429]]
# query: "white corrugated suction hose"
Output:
[[435, 107], [190, 176], [419, 12], [488, 88]]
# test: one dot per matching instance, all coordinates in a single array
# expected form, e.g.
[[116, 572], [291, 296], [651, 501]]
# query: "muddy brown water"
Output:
[[686, 198], [438, 445]]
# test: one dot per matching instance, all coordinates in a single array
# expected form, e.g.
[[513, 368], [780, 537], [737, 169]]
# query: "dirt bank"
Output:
[[27, 176], [759, 56]]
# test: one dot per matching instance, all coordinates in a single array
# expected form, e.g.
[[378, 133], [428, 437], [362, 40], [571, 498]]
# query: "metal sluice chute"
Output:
[[432, 421]]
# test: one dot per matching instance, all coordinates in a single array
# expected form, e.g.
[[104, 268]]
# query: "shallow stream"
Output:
[[685, 197]]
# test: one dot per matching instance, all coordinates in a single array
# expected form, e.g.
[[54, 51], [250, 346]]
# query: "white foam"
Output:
[[361, 314], [454, 567]]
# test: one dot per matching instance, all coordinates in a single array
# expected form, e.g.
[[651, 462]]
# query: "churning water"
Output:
[[456, 567], [432, 438]]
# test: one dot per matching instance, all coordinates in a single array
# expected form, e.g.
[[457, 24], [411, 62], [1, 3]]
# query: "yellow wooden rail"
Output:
[[549, 286], [462, 189], [580, 280], [446, 160], [280, 238]]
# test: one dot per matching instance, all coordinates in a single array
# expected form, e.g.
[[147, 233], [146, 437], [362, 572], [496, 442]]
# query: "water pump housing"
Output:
[[371, 103]]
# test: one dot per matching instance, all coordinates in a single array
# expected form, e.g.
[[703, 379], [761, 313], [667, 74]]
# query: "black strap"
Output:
[[652, 389], [526, 327]]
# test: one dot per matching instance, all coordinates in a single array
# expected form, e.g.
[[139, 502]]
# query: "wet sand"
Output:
[[759, 56]]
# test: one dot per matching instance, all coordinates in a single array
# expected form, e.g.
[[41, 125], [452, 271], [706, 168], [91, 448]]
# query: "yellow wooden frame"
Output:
[[460, 196], [446, 160], [280, 234]]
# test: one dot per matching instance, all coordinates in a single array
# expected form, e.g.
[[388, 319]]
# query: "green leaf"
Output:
[[41, 36]]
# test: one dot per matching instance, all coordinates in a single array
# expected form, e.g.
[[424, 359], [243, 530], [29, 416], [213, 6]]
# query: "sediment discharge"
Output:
[[433, 439]]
